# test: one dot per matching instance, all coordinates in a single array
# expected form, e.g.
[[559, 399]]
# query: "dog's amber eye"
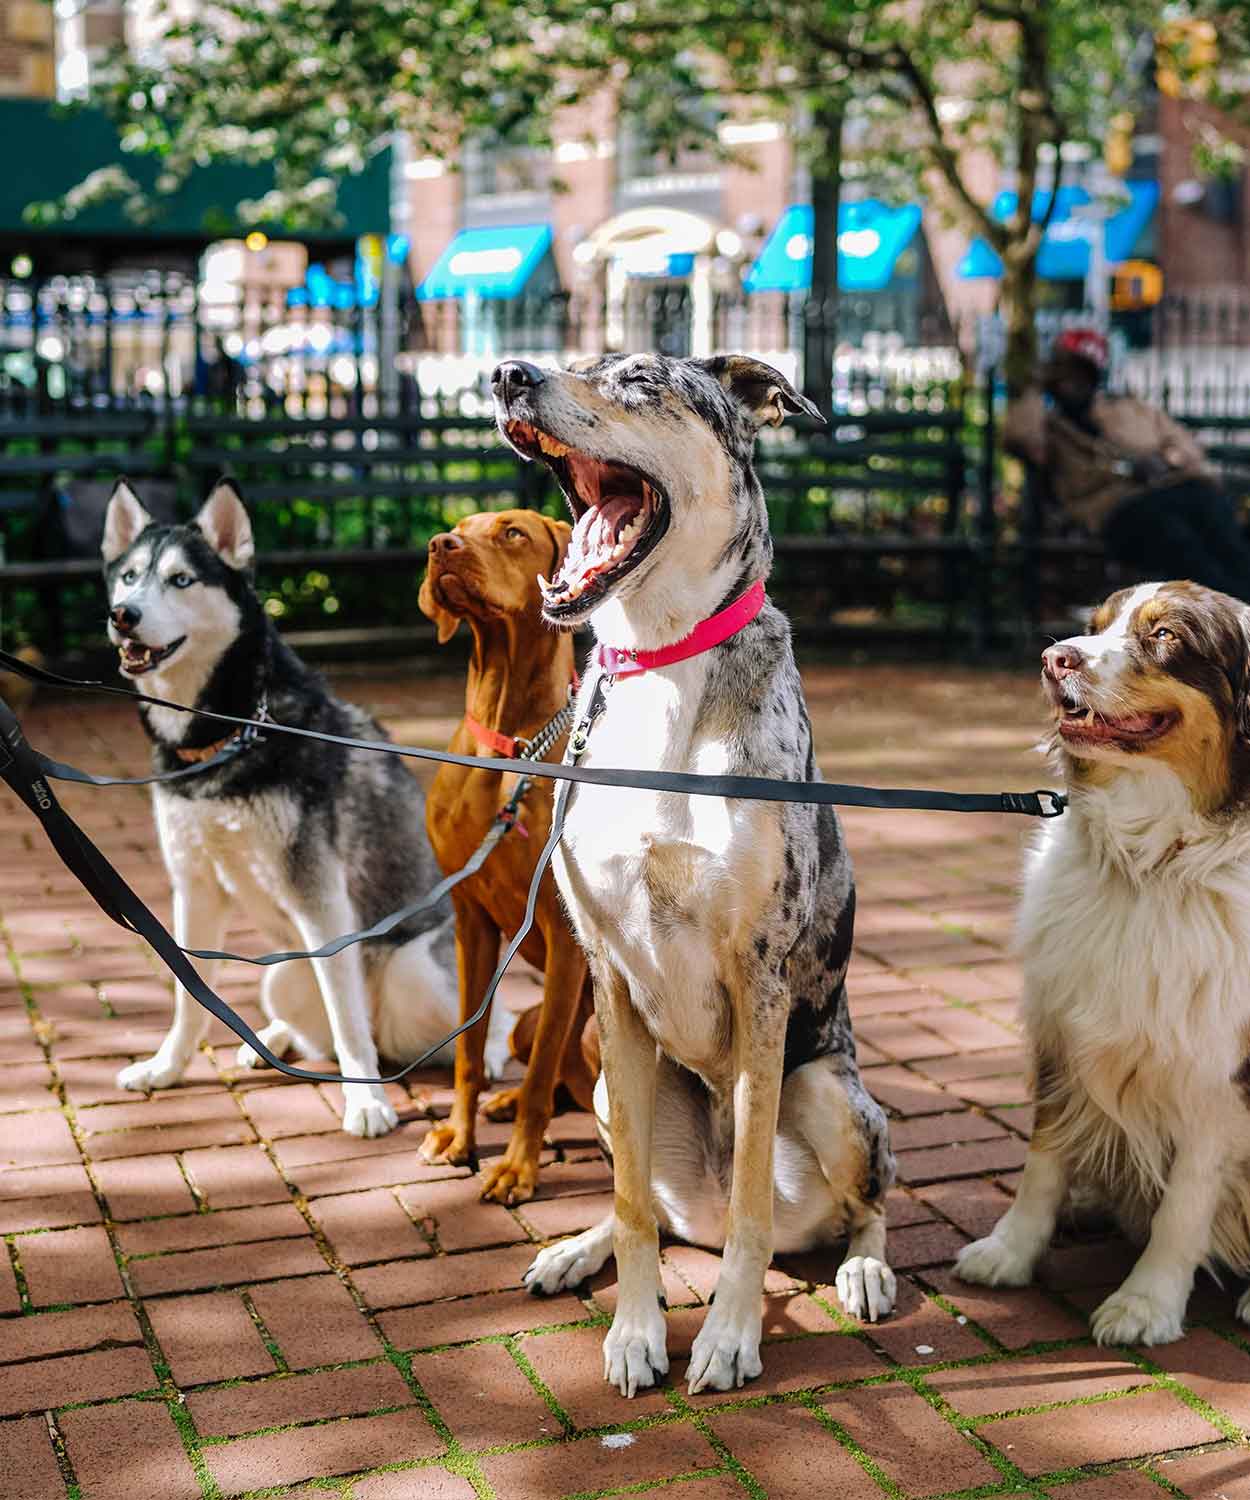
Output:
[[513, 532], [1163, 634]]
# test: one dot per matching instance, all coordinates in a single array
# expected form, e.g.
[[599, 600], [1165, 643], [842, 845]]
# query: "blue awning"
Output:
[[1064, 253], [871, 237], [493, 262]]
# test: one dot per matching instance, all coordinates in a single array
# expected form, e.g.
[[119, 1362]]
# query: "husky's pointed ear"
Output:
[[445, 623], [124, 519], [765, 393], [226, 527]]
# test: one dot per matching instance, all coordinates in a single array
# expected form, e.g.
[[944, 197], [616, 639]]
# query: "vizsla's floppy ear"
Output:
[[766, 394], [560, 531], [124, 519], [1243, 691], [226, 527], [445, 623]]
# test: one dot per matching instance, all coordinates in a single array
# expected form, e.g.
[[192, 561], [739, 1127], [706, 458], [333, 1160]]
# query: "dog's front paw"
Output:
[[994, 1262], [561, 1267], [634, 1352], [248, 1057], [1133, 1317], [446, 1145], [150, 1073], [366, 1111], [725, 1353], [502, 1106], [510, 1180], [866, 1287]]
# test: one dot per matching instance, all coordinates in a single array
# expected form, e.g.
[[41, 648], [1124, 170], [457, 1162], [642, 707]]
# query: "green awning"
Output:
[[52, 150]]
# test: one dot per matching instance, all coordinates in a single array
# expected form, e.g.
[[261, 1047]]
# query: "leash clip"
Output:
[[1058, 802]]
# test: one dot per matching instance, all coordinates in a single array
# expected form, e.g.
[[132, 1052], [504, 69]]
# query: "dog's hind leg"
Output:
[[634, 1353], [199, 922], [726, 1351], [290, 998]]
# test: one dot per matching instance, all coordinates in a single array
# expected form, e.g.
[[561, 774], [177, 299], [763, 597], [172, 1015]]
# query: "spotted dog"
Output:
[[1134, 933], [310, 840], [718, 932]]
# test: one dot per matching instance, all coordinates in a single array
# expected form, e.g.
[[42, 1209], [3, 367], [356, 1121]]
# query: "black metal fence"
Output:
[[903, 520]]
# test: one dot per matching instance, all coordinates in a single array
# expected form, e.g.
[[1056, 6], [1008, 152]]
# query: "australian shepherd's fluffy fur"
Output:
[[1135, 940]]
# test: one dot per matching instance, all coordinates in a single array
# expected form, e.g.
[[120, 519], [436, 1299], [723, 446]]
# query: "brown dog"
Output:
[[485, 572]]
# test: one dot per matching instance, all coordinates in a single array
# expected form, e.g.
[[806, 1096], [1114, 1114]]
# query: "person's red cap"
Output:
[[1084, 343]]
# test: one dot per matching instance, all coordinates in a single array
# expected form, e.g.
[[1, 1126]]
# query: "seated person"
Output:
[[1128, 471]]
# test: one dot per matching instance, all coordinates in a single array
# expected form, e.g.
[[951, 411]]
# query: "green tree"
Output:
[[315, 85]]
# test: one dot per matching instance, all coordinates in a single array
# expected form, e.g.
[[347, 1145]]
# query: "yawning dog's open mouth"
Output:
[[137, 659], [619, 515], [1086, 726]]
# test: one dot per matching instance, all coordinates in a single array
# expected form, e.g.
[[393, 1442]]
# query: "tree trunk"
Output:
[[1018, 306], [821, 312]]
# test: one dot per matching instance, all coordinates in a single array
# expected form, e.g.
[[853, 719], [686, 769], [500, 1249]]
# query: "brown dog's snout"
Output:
[[124, 617], [1062, 660], [445, 541]]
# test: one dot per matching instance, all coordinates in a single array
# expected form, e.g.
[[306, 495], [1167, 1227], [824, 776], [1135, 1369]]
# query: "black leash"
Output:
[[1038, 804]]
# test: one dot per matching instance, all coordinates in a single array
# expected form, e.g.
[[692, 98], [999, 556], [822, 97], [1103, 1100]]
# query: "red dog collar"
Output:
[[706, 634], [508, 745]]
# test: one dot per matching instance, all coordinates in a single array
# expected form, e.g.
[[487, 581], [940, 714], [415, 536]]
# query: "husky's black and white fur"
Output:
[[718, 932], [311, 840]]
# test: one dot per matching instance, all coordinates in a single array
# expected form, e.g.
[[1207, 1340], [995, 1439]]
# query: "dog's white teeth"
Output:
[[576, 590], [544, 583], [1089, 715]]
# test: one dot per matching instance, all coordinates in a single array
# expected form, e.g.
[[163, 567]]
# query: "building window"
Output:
[[649, 157], [495, 167]]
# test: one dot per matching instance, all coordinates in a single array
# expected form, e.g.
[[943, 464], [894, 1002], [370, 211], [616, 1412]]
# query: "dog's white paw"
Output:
[[866, 1287], [1132, 1317], [634, 1352], [558, 1268], [725, 1353], [994, 1262], [248, 1057], [149, 1073], [1243, 1306], [367, 1112]]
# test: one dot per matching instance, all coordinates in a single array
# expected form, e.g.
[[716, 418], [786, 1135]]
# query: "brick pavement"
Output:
[[214, 1293]]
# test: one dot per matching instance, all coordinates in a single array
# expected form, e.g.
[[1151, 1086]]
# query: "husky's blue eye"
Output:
[[129, 576], [181, 580]]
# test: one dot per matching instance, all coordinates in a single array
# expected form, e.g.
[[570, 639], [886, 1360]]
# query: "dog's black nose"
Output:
[[125, 617], [445, 541], [515, 375]]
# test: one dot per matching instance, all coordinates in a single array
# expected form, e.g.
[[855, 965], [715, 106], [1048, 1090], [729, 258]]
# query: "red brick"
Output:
[[467, 1318], [570, 1364], [27, 1086], [388, 1169], [918, 1331], [595, 1463], [235, 1176], [924, 1245], [210, 1337], [156, 1139], [1213, 1369], [975, 1205], [297, 1398], [994, 1092], [314, 1321], [906, 1092], [129, 1450], [784, 1452], [321, 1452], [460, 1219], [1006, 1060], [10, 1302], [1129, 1427], [28, 1461], [912, 1444], [228, 1266], [69, 1265], [900, 1038], [62, 1332], [1203, 1476], [72, 1378], [141, 1187], [48, 1211], [561, 1216], [45, 1142], [404, 1284], [1122, 1484], [413, 1484], [941, 1130], [943, 1162], [231, 1226], [291, 1109], [483, 1396], [1009, 1385], [368, 1226], [1016, 1316]]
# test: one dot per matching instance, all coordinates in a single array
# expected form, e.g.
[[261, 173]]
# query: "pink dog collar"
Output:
[[708, 633]]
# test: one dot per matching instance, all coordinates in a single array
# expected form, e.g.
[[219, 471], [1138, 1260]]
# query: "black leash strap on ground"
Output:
[[1038, 804]]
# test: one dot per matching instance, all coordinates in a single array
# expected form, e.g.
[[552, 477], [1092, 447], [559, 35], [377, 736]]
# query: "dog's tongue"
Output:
[[595, 534]]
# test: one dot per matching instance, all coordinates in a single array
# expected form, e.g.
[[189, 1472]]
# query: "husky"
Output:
[[311, 840]]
